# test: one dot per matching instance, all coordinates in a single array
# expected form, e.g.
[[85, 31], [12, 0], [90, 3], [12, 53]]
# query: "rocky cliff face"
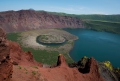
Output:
[[19, 57], [23, 20], [6, 67]]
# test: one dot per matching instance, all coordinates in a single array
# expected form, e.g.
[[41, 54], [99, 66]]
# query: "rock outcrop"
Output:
[[107, 73], [64, 73], [86, 65], [17, 65], [24, 20], [20, 57], [61, 61], [6, 66]]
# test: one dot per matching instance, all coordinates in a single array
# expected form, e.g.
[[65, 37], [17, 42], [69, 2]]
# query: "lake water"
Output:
[[100, 45]]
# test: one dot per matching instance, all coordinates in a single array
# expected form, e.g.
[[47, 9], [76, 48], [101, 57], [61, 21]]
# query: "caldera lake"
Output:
[[103, 46]]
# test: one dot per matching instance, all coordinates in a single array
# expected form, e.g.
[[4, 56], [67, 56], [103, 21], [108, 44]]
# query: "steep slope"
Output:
[[6, 66], [100, 17], [17, 65], [61, 72], [19, 57], [23, 20]]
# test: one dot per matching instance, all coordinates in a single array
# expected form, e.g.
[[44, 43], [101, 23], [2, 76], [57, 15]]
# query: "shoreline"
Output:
[[28, 40]]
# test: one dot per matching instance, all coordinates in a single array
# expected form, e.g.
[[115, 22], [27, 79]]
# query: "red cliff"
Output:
[[6, 67], [17, 65]]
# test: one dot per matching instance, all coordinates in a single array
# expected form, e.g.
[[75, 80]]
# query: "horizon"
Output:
[[78, 7]]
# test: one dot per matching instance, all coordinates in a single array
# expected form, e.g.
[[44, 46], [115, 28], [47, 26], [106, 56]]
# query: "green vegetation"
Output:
[[43, 37], [107, 23], [19, 67], [43, 56], [46, 57], [113, 18], [107, 26], [26, 71], [85, 57], [68, 59], [33, 72], [117, 70], [35, 67], [70, 42], [108, 64], [13, 36]]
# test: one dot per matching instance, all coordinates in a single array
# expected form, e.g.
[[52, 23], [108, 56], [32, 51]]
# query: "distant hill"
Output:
[[24, 20], [108, 23], [99, 25], [113, 18]]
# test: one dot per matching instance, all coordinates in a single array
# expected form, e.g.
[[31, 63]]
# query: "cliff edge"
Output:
[[6, 67], [17, 65], [23, 20]]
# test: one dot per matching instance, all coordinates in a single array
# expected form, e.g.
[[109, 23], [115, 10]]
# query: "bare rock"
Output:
[[23, 20], [6, 66], [61, 61]]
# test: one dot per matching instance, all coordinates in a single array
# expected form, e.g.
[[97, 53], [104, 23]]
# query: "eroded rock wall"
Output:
[[6, 67], [24, 20]]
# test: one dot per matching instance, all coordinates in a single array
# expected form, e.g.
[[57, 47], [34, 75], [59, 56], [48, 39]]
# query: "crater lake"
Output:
[[103, 46]]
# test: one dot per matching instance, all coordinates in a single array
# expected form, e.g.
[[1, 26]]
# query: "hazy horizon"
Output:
[[106, 7]]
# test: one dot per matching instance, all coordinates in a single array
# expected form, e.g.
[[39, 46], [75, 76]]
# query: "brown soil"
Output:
[[17, 65], [6, 67], [60, 73]]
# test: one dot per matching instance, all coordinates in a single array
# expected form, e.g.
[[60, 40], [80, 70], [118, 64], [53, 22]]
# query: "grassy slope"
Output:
[[99, 25], [108, 23], [113, 18], [46, 57]]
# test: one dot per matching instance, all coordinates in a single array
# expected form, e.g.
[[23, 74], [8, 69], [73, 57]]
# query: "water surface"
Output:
[[100, 45]]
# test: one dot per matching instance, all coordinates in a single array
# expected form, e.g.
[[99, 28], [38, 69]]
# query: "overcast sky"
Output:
[[67, 6]]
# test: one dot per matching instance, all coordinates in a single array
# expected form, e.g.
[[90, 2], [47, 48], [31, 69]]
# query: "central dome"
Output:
[[51, 38]]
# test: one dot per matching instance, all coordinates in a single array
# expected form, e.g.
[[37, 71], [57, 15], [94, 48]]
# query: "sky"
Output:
[[66, 6]]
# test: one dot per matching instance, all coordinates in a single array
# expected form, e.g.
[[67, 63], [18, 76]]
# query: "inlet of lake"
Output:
[[103, 46]]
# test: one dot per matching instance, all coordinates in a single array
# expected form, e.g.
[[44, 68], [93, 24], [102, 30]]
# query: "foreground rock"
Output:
[[20, 57], [108, 74], [24, 68], [23, 20], [6, 67]]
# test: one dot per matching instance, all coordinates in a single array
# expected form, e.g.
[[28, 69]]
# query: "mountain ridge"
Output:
[[23, 20]]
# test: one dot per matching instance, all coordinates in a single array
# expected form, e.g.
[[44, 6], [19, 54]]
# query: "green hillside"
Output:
[[108, 23], [113, 18], [107, 26], [43, 56]]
